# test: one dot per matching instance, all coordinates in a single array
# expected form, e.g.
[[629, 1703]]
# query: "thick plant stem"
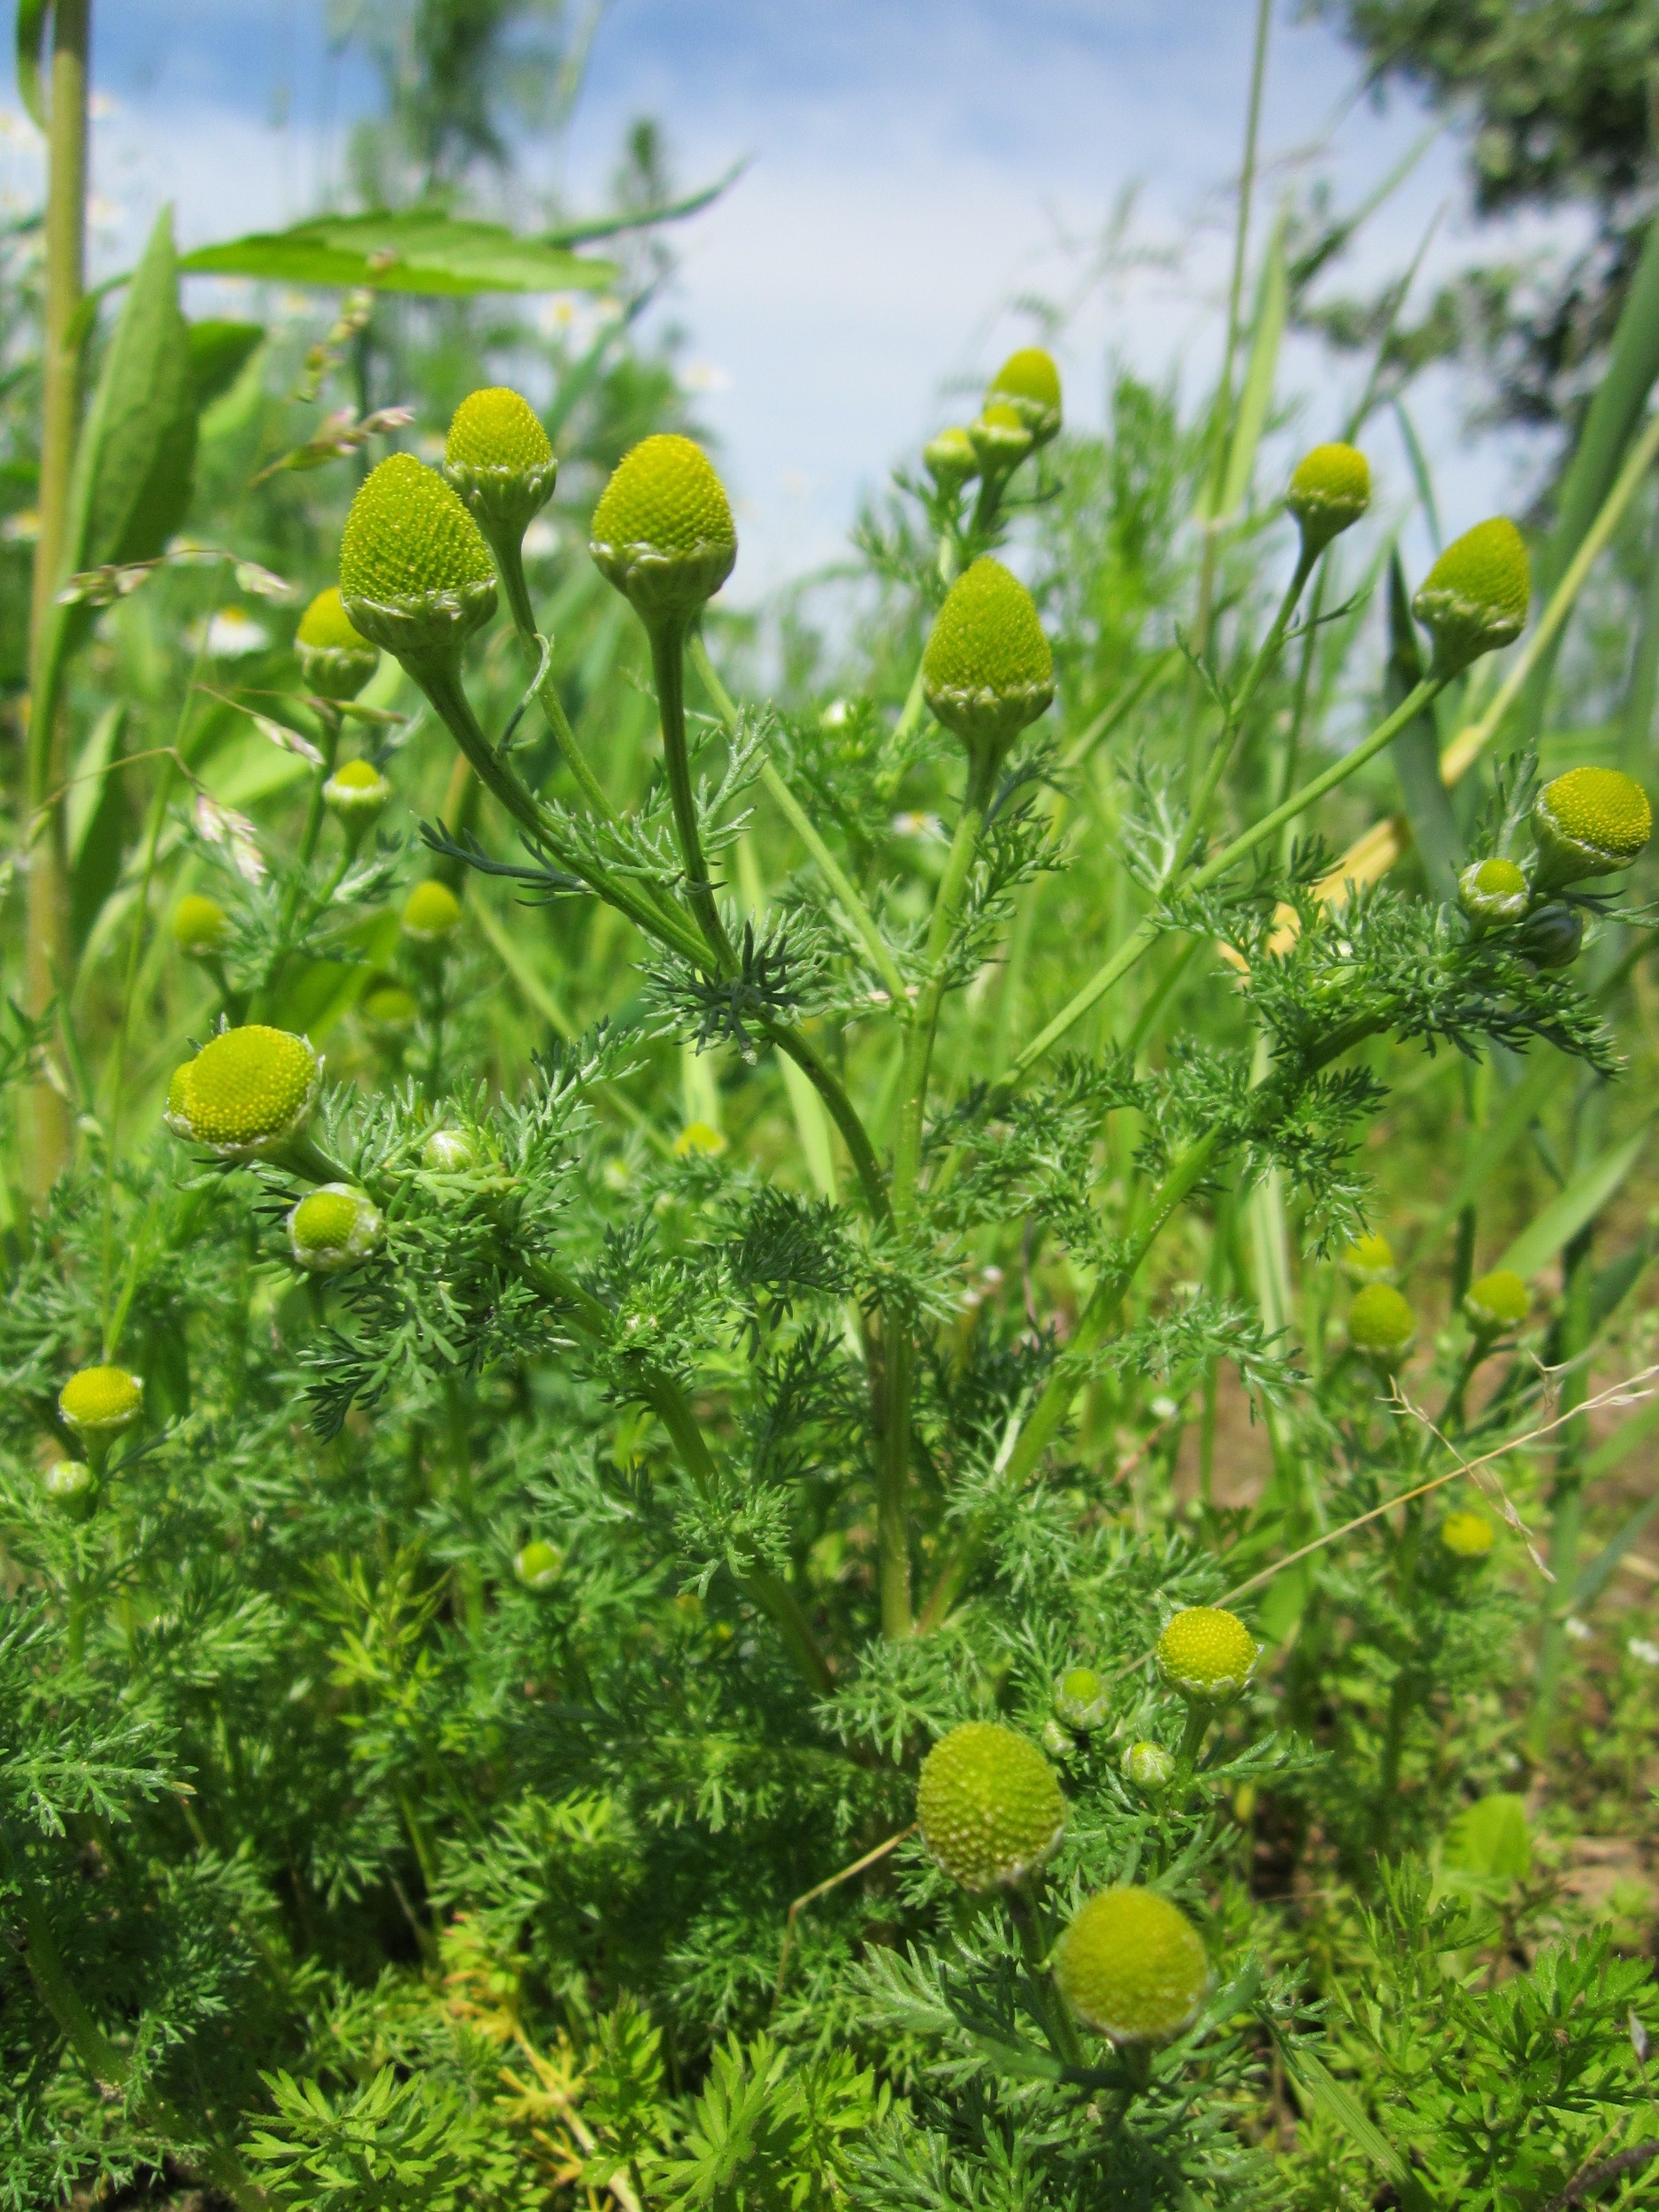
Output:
[[668, 666], [510, 568], [47, 1148]]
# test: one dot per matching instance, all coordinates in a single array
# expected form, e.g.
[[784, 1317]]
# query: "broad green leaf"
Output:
[[31, 34], [1580, 1203], [1489, 1842], [220, 351], [1416, 752], [1272, 301], [427, 253]]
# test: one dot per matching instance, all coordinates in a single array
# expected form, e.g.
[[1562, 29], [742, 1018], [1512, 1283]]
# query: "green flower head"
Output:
[[1029, 382], [662, 531], [989, 1805], [1381, 1326], [1590, 822], [539, 1565], [334, 1228], [1132, 1967], [198, 926], [336, 660], [1208, 1656], [246, 1093], [1466, 1534], [1149, 1767], [1497, 1303], [415, 573], [432, 913], [1475, 597], [1001, 437], [1081, 1698], [498, 458], [1330, 489], [356, 795], [988, 670], [1494, 893], [100, 1402], [389, 1009], [950, 459], [1369, 1258]]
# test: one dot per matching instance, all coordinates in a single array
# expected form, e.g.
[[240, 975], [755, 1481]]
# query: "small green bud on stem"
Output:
[[1552, 935], [1330, 489], [334, 1228], [950, 459], [357, 796], [336, 660], [1369, 1258], [1494, 893], [1081, 1699], [1497, 1303], [988, 670], [1475, 597], [1467, 1535], [198, 927], [432, 914], [1381, 1326], [1029, 382]]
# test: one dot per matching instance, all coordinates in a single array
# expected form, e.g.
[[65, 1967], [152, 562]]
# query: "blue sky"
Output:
[[914, 169]]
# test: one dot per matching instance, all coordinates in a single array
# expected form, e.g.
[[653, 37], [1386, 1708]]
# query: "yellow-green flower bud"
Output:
[[1381, 1326], [662, 531], [989, 1806], [1080, 1699], [699, 1139], [100, 1402], [1029, 382], [72, 1486], [1149, 1767], [198, 926], [1369, 1258], [334, 1228], [1474, 599], [1496, 1303], [1552, 935], [336, 660], [356, 795], [1208, 1656], [950, 459], [415, 573], [389, 1009], [246, 1093], [498, 458], [539, 1565], [1590, 822], [1330, 489], [432, 914], [1466, 1534], [988, 670], [1132, 1967], [1000, 437], [1494, 893], [449, 1152]]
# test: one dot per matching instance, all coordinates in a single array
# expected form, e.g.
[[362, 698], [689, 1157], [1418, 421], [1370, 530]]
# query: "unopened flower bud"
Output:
[[1029, 382], [1496, 1303], [99, 1402], [72, 1486], [1552, 935], [1330, 489], [1381, 1326], [389, 1009], [1149, 1767], [662, 531], [356, 795], [1467, 1535], [1208, 1656], [499, 460], [988, 670], [334, 1228], [1590, 822], [989, 1805], [950, 459], [247, 1093], [432, 914], [1475, 597], [1369, 1258], [699, 1139], [539, 1565], [415, 573], [336, 660], [198, 926], [1494, 893], [449, 1152], [1132, 1967], [1000, 438], [1081, 1698]]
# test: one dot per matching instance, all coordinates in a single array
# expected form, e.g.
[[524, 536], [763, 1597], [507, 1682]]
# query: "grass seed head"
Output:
[[1029, 382], [415, 573], [1330, 489], [334, 1228], [662, 531], [1475, 597], [989, 1806], [336, 660], [198, 926], [246, 1093], [988, 670], [99, 1402], [1132, 1967], [1590, 822], [1381, 1325], [1208, 1656]]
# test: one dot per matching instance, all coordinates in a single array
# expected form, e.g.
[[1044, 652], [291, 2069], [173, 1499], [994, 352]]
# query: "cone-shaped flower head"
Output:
[[1552, 935], [336, 659], [950, 459], [1474, 599], [100, 1402], [539, 1565], [415, 573], [198, 926], [1029, 383], [389, 1009], [1080, 1699], [1369, 1258], [1497, 1302], [1494, 893], [449, 1152], [1330, 489], [1001, 437], [356, 795], [247, 1092], [1381, 1326], [989, 1805], [1208, 1656], [432, 913], [333, 1228], [72, 1486], [1149, 1767], [988, 670], [1590, 822], [498, 458], [662, 531], [1466, 1534], [1131, 1966]]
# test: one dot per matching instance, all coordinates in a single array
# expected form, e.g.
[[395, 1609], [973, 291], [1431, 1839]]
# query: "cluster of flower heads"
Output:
[[1588, 823]]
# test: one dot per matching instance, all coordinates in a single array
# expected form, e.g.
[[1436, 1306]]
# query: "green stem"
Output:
[[1221, 752], [668, 666], [1566, 1497], [510, 566], [1058, 2022]]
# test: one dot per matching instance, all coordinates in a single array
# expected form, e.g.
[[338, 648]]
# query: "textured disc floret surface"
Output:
[[326, 626], [1381, 1323], [415, 572], [1208, 1654], [246, 1089], [989, 1805], [1591, 822], [1466, 1534], [1498, 1301], [1494, 892], [101, 1401], [198, 924], [432, 913], [1330, 489], [333, 1228], [988, 670], [498, 429], [1131, 1966], [1475, 597], [662, 531]]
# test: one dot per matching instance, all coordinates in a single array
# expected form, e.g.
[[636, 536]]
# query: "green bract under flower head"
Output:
[[432, 914], [499, 460], [1369, 1258], [333, 1228], [1208, 1654], [1001, 437], [1330, 489], [1029, 382], [988, 670], [1494, 892], [1131, 1966], [1590, 822], [415, 573], [1466, 1534], [1552, 935], [198, 924], [247, 1092], [100, 1402], [950, 459], [1381, 1326], [356, 794], [662, 531], [1149, 1767], [1475, 597], [1080, 1699], [539, 1565], [1497, 1302], [989, 1806]]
